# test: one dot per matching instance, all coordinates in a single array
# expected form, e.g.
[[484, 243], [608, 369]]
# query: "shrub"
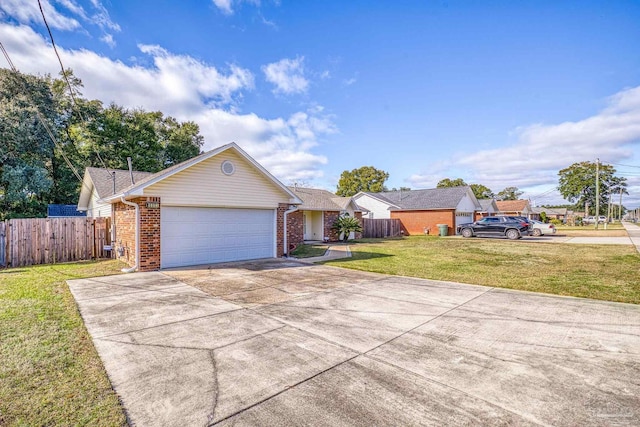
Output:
[[345, 224]]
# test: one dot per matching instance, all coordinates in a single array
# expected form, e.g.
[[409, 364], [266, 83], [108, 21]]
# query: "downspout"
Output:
[[137, 250], [286, 231]]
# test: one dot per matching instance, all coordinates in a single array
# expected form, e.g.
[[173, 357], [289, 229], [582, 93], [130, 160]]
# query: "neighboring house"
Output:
[[317, 213], [514, 207], [420, 211], [98, 184], [488, 207], [377, 205], [63, 211], [219, 206], [552, 213]]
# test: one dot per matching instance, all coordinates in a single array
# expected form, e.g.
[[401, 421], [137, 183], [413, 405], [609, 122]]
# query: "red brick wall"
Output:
[[282, 208], [125, 218], [329, 217], [295, 229], [414, 222]]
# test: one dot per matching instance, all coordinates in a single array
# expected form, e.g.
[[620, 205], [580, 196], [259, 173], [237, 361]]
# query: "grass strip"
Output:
[[50, 372]]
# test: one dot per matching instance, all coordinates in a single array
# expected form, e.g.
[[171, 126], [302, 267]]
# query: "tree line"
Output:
[[576, 183], [48, 129], [370, 179]]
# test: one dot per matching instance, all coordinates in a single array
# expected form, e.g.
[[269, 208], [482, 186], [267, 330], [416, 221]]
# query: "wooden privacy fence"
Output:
[[380, 228], [32, 241]]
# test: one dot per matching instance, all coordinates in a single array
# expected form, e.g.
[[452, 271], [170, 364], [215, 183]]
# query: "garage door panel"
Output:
[[191, 236]]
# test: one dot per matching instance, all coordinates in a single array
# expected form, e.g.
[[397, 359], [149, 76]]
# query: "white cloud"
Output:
[[27, 12], [224, 6], [108, 39], [102, 18], [541, 150], [187, 89], [287, 75], [227, 6]]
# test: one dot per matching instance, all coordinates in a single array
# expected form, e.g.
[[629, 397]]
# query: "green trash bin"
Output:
[[444, 230]]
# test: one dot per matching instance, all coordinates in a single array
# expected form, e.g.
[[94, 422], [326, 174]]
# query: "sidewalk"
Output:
[[633, 230], [333, 252]]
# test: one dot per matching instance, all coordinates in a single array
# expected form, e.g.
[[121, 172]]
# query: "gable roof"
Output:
[[315, 199], [513, 205], [104, 182], [551, 211], [428, 199], [144, 179], [485, 204]]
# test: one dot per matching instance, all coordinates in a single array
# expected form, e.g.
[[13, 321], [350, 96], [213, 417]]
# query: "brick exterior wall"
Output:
[[282, 208], [358, 216], [329, 217], [295, 229], [414, 222], [125, 217]]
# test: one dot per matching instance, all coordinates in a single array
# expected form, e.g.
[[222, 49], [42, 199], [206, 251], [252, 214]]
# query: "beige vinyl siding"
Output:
[[204, 184], [95, 209]]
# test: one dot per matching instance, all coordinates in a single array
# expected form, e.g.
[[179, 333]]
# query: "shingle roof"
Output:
[[432, 198], [552, 211], [512, 205], [315, 199], [54, 211], [485, 203], [104, 183]]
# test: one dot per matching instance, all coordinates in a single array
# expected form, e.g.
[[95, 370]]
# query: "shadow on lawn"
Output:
[[361, 256]]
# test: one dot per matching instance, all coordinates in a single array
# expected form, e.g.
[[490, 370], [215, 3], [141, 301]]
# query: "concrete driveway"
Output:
[[281, 343]]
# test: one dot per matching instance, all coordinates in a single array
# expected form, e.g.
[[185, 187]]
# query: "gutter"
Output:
[[137, 251], [286, 247]]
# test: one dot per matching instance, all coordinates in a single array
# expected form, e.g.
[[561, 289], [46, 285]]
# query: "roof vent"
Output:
[[228, 168]]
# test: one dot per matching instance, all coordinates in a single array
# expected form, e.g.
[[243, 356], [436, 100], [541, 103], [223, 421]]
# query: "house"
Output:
[[514, 207], [219, 206], [488, 207], [63, 211], [552, 213], [314, 218], [420, 211]]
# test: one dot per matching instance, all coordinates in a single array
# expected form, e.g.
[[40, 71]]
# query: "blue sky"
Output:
[[500, 93]]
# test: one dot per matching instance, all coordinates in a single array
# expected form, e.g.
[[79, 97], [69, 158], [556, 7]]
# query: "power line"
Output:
[[41, 118], [66, 79], [620, 164]]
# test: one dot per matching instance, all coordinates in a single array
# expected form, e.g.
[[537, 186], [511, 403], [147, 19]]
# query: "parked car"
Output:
[[592, 220], [496, 226], [540, 228]]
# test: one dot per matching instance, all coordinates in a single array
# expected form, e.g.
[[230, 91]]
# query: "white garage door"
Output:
[[192, 236], [463, 218]]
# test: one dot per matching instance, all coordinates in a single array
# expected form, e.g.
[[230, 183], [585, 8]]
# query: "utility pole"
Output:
[[597, 214], [620, 208]]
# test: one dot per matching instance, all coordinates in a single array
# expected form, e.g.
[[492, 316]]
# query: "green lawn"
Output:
[[605, 272], [308, 251], [50, 373]]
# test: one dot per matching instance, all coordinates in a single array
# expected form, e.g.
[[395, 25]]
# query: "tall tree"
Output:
[[447, 182], [481, 192], [26, 105], [509, 193], [180, 141], [365, 178], [35, 171], [577, 184], [618, 188]]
